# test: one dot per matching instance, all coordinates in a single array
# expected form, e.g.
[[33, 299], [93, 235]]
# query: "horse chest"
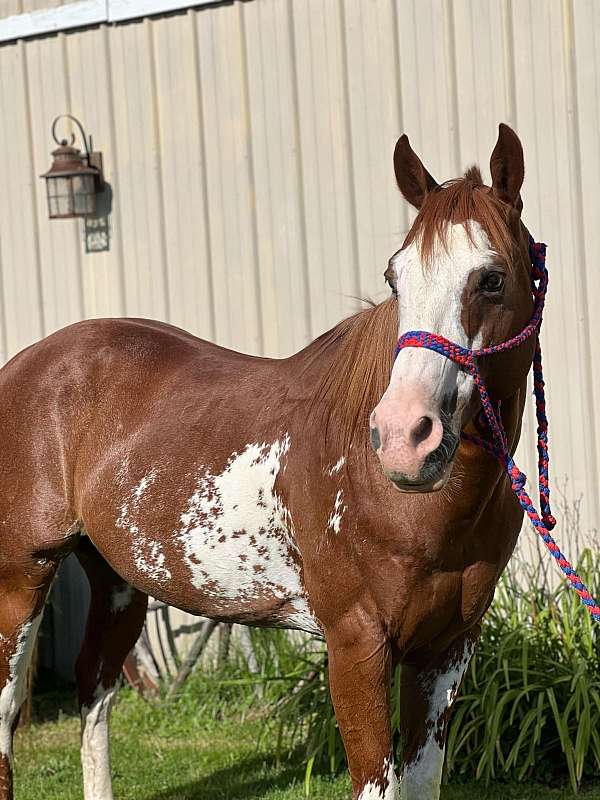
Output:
[[230, 551]]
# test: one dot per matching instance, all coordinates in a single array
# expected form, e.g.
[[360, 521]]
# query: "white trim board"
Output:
[[86, 12], [51, 20]]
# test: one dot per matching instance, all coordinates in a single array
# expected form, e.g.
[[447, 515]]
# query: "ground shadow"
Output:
[[248, 778], [53, 704]]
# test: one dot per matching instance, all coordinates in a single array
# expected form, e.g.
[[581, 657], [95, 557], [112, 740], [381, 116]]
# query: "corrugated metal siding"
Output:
[[10, 7], [249, 150]]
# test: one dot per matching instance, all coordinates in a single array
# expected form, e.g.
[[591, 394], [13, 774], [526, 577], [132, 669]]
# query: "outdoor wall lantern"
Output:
[[75, 178]]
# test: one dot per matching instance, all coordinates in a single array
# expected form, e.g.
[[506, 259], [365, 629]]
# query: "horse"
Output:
[[328, 492]]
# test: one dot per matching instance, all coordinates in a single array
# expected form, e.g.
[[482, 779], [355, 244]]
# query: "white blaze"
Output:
[[430, 298]]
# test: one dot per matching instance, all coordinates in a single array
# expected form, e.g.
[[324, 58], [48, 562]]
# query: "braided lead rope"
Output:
[[467, 359]]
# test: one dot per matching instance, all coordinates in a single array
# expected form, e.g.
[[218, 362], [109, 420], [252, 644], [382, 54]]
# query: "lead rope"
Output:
[[467, 359]]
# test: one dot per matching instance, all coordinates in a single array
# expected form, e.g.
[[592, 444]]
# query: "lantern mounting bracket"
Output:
[[94, 157]]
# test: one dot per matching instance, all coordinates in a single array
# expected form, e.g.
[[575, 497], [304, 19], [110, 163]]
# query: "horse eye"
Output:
[[492, 282]]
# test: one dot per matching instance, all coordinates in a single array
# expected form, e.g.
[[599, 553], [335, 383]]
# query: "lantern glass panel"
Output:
[[84, 194], [60, 198]]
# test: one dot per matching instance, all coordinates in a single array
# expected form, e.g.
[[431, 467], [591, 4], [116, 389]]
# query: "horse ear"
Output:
[[411, 176], [507, 166]]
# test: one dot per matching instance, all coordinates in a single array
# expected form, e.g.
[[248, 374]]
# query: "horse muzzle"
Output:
[[415, 445]]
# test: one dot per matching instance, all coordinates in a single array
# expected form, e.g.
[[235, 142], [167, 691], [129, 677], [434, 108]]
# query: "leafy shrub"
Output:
[[530, 703]]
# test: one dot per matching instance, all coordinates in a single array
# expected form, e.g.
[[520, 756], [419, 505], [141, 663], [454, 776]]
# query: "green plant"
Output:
[[530, 703], [279, 660]]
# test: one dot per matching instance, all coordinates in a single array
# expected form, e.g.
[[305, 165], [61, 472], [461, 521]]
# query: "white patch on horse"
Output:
[[238, 536], [95, 753], [378, 790], [121, 598], [422, 777], [14, 690], [147, 553], [337, 466], [335, 518], [146, 482]]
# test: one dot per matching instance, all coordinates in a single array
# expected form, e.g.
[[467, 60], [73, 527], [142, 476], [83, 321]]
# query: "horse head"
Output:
[[463, 273]]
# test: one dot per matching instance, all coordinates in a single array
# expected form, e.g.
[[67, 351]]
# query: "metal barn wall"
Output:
[[249, 146], [10, 7]]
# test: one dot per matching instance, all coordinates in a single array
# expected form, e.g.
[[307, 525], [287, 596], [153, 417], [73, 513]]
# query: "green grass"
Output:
[[192, 749]]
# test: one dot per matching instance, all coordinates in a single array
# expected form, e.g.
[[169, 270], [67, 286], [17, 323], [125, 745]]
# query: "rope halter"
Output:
[[498, 447]]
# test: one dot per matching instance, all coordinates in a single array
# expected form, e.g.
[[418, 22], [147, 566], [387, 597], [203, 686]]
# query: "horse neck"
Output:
[[342, 375]]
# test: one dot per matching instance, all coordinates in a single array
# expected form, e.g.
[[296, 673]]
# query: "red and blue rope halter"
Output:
[[467, 359]]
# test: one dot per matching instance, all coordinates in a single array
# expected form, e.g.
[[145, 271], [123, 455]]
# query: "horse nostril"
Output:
[[375, 439], [422, 431]]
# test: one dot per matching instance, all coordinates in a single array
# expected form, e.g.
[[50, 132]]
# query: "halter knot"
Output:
[[498, 447], [518, 479]]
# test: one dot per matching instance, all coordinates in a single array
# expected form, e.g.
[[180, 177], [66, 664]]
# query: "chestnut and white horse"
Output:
[[328, 492]]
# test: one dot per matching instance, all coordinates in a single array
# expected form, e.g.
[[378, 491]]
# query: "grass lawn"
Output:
[[172, 752]]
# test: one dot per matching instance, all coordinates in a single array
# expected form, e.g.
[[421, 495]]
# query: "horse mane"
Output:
[[360, 372], [350, 389], [459, 201]]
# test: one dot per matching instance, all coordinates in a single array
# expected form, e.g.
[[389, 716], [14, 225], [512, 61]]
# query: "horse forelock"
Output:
[[463, 201]]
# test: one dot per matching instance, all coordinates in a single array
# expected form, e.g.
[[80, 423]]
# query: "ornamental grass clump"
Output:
[[530, 703], [529, 707]]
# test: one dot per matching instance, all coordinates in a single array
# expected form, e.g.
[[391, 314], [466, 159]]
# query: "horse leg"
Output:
[[23, 592], [115, 620], [359, 679], [426, 697]]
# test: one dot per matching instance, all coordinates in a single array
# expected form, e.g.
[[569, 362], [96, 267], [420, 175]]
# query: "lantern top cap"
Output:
[[69, 160], [66, 150]]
